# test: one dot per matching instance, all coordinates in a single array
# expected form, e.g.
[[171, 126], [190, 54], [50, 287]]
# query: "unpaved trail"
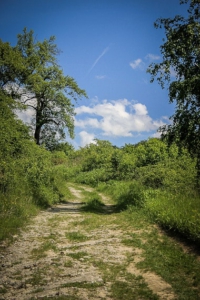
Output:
[[66, 253]]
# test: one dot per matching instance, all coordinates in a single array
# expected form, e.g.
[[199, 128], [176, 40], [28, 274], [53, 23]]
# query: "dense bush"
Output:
[[177, 175], [130, 195], [93, 177], [30, 176]]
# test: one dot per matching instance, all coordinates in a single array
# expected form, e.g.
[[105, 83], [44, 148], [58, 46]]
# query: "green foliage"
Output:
[[178, 212], [149, 175], [125, 194], [59, 157], [29, 176], [127, 166], [180, 175], [93, 203], [30, 71], [66, 147], [97, 156], [150, 152], [93, 177], [177, 175], [11, 65], [130, 195], [181, 53]]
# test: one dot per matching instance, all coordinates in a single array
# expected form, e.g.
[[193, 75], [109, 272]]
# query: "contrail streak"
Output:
[[100, 56]]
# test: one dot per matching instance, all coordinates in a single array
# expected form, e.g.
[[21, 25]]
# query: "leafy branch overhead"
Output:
[[181, 56], [45, 89]]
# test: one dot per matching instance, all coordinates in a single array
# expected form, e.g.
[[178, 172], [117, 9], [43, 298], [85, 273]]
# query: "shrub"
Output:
[[93, 177], [94, 203], [131, 195]]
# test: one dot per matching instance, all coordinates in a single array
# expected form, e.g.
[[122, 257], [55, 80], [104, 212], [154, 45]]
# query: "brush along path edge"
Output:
[[67, 253]]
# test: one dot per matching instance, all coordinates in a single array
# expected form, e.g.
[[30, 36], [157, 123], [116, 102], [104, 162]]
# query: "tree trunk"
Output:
[[38, 122], [37, 134]]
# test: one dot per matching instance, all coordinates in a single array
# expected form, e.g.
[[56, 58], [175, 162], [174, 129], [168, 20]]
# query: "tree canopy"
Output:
[[180, 68], [31, 70]]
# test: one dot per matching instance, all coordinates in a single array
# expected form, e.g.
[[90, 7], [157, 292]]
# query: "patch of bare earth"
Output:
[[44, 263]]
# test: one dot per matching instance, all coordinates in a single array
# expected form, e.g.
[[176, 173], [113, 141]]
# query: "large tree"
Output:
[[45, 89], [180, 69]]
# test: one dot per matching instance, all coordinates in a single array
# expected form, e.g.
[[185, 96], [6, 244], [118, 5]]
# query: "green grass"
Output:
[[138, 289], [180, 213], [93, 203], [16, 216], [16, 212], [173, 210], [133, 241], [76, 236], [77, 255], [129, 287], [167, 259], [40, 252]]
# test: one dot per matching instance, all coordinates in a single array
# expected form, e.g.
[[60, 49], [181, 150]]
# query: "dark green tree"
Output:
[[46, 90], [181, 55]]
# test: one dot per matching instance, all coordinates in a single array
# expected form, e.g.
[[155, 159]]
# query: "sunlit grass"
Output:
[[76, 236], [180, 213]]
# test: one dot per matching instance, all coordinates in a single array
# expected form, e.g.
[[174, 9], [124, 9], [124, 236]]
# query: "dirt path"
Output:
[[69, 254]]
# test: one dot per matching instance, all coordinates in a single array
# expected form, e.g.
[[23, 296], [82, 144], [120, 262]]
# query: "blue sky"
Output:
[[106, 47]]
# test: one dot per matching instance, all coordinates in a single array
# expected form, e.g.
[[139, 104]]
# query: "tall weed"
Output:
[[124, 193], [177, 212]]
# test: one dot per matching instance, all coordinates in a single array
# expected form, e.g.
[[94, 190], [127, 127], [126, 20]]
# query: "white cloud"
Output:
[[138, 63], [156, 134], [152, 56], [140, 109], [26, 115], [86, 138], [119, 118], [83, 109], [90, 122]]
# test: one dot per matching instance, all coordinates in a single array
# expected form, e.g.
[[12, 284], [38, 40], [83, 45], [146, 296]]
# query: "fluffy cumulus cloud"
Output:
[[138, 63], [119, 118], [86, 138]]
